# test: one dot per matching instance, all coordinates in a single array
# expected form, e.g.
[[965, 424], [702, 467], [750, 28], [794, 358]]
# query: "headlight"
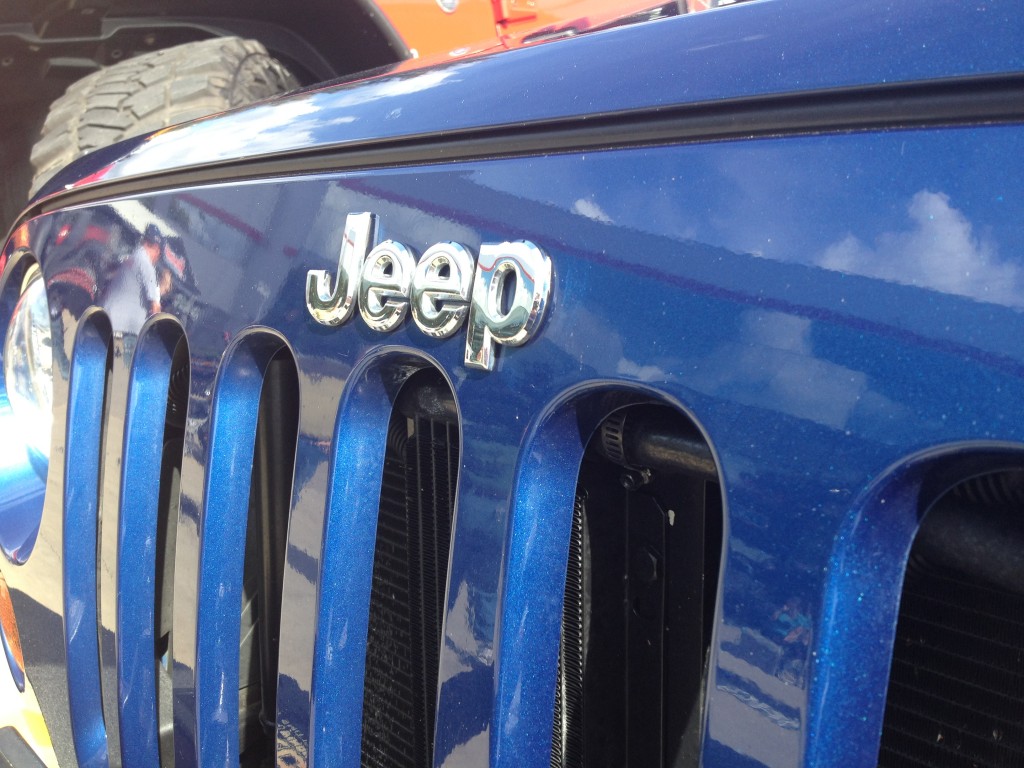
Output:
[[28, 364]]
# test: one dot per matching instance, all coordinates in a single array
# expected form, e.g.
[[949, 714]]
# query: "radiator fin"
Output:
[[956, 693], [407, 595], [567, 736]]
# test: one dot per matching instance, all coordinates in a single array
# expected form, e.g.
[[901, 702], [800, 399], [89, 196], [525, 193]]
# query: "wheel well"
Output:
[[47, 47]]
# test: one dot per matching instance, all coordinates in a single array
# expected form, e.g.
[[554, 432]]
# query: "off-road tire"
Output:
[[153, 91]]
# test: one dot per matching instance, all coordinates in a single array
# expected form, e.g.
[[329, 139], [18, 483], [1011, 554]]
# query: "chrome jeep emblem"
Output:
[[442, 288]]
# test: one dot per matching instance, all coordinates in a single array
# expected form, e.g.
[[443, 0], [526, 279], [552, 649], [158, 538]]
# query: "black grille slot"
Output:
[[956, 691], [410, 572], [639, 602], [166, 535], [266, 533]]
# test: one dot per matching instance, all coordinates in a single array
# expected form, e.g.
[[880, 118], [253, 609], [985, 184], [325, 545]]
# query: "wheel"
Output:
[[152, 91]]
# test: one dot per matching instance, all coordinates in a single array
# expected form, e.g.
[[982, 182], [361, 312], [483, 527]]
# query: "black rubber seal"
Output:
[[947, 103]]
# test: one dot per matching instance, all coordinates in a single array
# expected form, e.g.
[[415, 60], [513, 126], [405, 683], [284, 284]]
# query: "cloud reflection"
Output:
[[591, 210], [938, 250], [774, 366]]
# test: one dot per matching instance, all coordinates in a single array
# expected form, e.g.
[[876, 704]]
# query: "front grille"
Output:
[[145, 515], [409, 574], [242, 534]]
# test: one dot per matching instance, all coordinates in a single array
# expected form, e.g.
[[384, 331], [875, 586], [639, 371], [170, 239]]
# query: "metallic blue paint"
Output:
[[81, 529], [533, 580], [809, 382], [868, 562], [346, 562], [222, 552], [137, 543], [840, 314]]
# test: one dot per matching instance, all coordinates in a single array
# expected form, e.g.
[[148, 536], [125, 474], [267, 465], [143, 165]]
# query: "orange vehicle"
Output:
[[457, 28]]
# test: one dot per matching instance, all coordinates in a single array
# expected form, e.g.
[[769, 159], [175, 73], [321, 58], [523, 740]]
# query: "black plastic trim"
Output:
[[949, 103], [15, 751]]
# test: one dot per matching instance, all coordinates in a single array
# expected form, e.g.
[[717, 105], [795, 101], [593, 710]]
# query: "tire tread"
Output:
[[153, 91]]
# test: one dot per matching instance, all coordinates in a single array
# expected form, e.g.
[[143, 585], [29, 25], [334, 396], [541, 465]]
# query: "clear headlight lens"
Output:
[[28, 365]]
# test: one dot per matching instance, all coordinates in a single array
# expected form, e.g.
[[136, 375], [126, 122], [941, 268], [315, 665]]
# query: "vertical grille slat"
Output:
[[139, 518], [410, 574], [232, 637], [84, 440]]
